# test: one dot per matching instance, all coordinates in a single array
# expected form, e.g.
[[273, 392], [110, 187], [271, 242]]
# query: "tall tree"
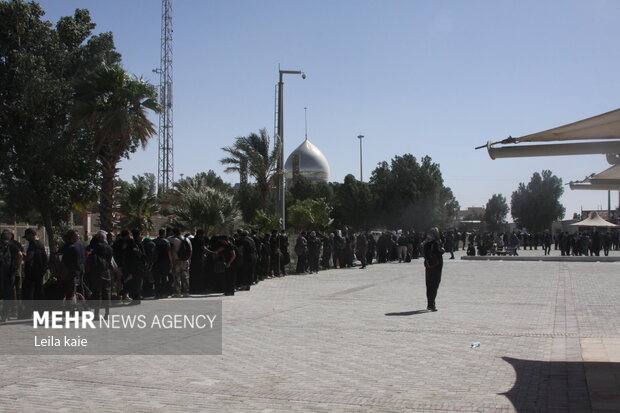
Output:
[[412, 194], [115, 105], [42, 162], [353, 204], [536, 205], [495, 212], [251, 155]]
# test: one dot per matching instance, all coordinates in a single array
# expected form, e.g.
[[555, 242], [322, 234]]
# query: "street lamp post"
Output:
[[280, 136], [360, 137]]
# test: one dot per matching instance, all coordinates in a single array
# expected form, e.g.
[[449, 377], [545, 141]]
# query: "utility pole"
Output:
[[360, 137]]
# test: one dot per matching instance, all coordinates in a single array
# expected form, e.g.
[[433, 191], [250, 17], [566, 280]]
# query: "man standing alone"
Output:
[[433, 264]]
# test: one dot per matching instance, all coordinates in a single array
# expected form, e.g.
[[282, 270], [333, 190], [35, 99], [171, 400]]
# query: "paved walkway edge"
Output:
[[543, 258]]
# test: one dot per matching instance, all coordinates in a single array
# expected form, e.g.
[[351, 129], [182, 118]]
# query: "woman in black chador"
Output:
[[433, 263]]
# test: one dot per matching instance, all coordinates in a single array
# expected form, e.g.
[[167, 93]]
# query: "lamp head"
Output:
[[303, 75]]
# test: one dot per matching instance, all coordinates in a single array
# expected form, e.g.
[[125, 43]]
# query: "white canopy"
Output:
[[608, 180], [594, 220], [610, 176], [605, 126]]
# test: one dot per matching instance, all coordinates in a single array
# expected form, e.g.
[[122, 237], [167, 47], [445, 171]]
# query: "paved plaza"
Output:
[[361, 341]]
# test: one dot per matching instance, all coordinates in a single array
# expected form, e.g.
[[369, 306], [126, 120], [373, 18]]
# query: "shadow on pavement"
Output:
[[565, 386], [408, 313]]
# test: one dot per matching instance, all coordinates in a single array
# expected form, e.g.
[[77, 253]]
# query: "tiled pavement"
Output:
[[360, 341]]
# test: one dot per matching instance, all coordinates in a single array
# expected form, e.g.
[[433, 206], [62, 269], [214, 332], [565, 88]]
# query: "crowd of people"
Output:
[[128, 266], [575, 244]]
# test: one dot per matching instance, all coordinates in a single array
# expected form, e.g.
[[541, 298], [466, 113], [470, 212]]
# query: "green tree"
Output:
[[203, 201], [138, 202], [301, 188], [265, 223], [250, 155], [353, 204], [309, 214], [495, 212], [411, 194], [42, 164], [536, 205], [248, 197], [115, 106], [204, 179], [207, 208]]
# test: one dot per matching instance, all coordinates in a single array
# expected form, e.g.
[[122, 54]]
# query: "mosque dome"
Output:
[[309, 162]]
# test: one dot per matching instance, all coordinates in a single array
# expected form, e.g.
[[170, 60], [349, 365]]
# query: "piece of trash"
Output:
[[474, 345]]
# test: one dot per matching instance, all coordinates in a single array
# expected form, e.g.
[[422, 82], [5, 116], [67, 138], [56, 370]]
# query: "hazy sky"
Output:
[[421, 77]]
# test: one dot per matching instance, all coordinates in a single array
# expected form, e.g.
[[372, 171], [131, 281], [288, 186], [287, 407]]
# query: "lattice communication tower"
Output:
[[165, 171]]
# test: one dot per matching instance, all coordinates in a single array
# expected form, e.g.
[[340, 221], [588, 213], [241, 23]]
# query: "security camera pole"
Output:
[[281, 204]]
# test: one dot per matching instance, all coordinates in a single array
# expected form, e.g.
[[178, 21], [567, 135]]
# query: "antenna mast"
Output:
[[306, 121], [165, 170]]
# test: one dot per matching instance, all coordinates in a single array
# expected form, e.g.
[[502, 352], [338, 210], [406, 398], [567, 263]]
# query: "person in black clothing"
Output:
[[362, 248], [433, 264], [597, 244], [99, 272], [339, 244], [349, 248], [403, 243], [266, 256], [258, 268], [126, 258], [162, 268], [314, 252], [247, 263], [301, 249], [328, 249], [10, 260], [450, 241], [383, 244], [150, 252], [284, 252], [197, 264], [71, 263], [276, 253], [372, 247], [138, 263], [35, 264], [229, 253]]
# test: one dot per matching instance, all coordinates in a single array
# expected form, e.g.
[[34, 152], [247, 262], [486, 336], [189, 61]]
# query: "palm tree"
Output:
[[250, 155], [204, 207], [114, 106], [138, 203]]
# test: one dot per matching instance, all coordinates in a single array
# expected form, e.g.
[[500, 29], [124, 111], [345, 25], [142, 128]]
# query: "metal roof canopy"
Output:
[[608, 180], [604, 127]]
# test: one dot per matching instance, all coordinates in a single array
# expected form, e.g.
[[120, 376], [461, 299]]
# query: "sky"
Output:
[[421, 77]]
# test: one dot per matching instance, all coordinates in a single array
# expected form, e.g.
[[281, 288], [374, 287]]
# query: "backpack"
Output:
[[185, 250]]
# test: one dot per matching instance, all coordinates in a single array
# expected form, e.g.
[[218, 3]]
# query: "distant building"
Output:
[[308, 161], [471, 214]]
